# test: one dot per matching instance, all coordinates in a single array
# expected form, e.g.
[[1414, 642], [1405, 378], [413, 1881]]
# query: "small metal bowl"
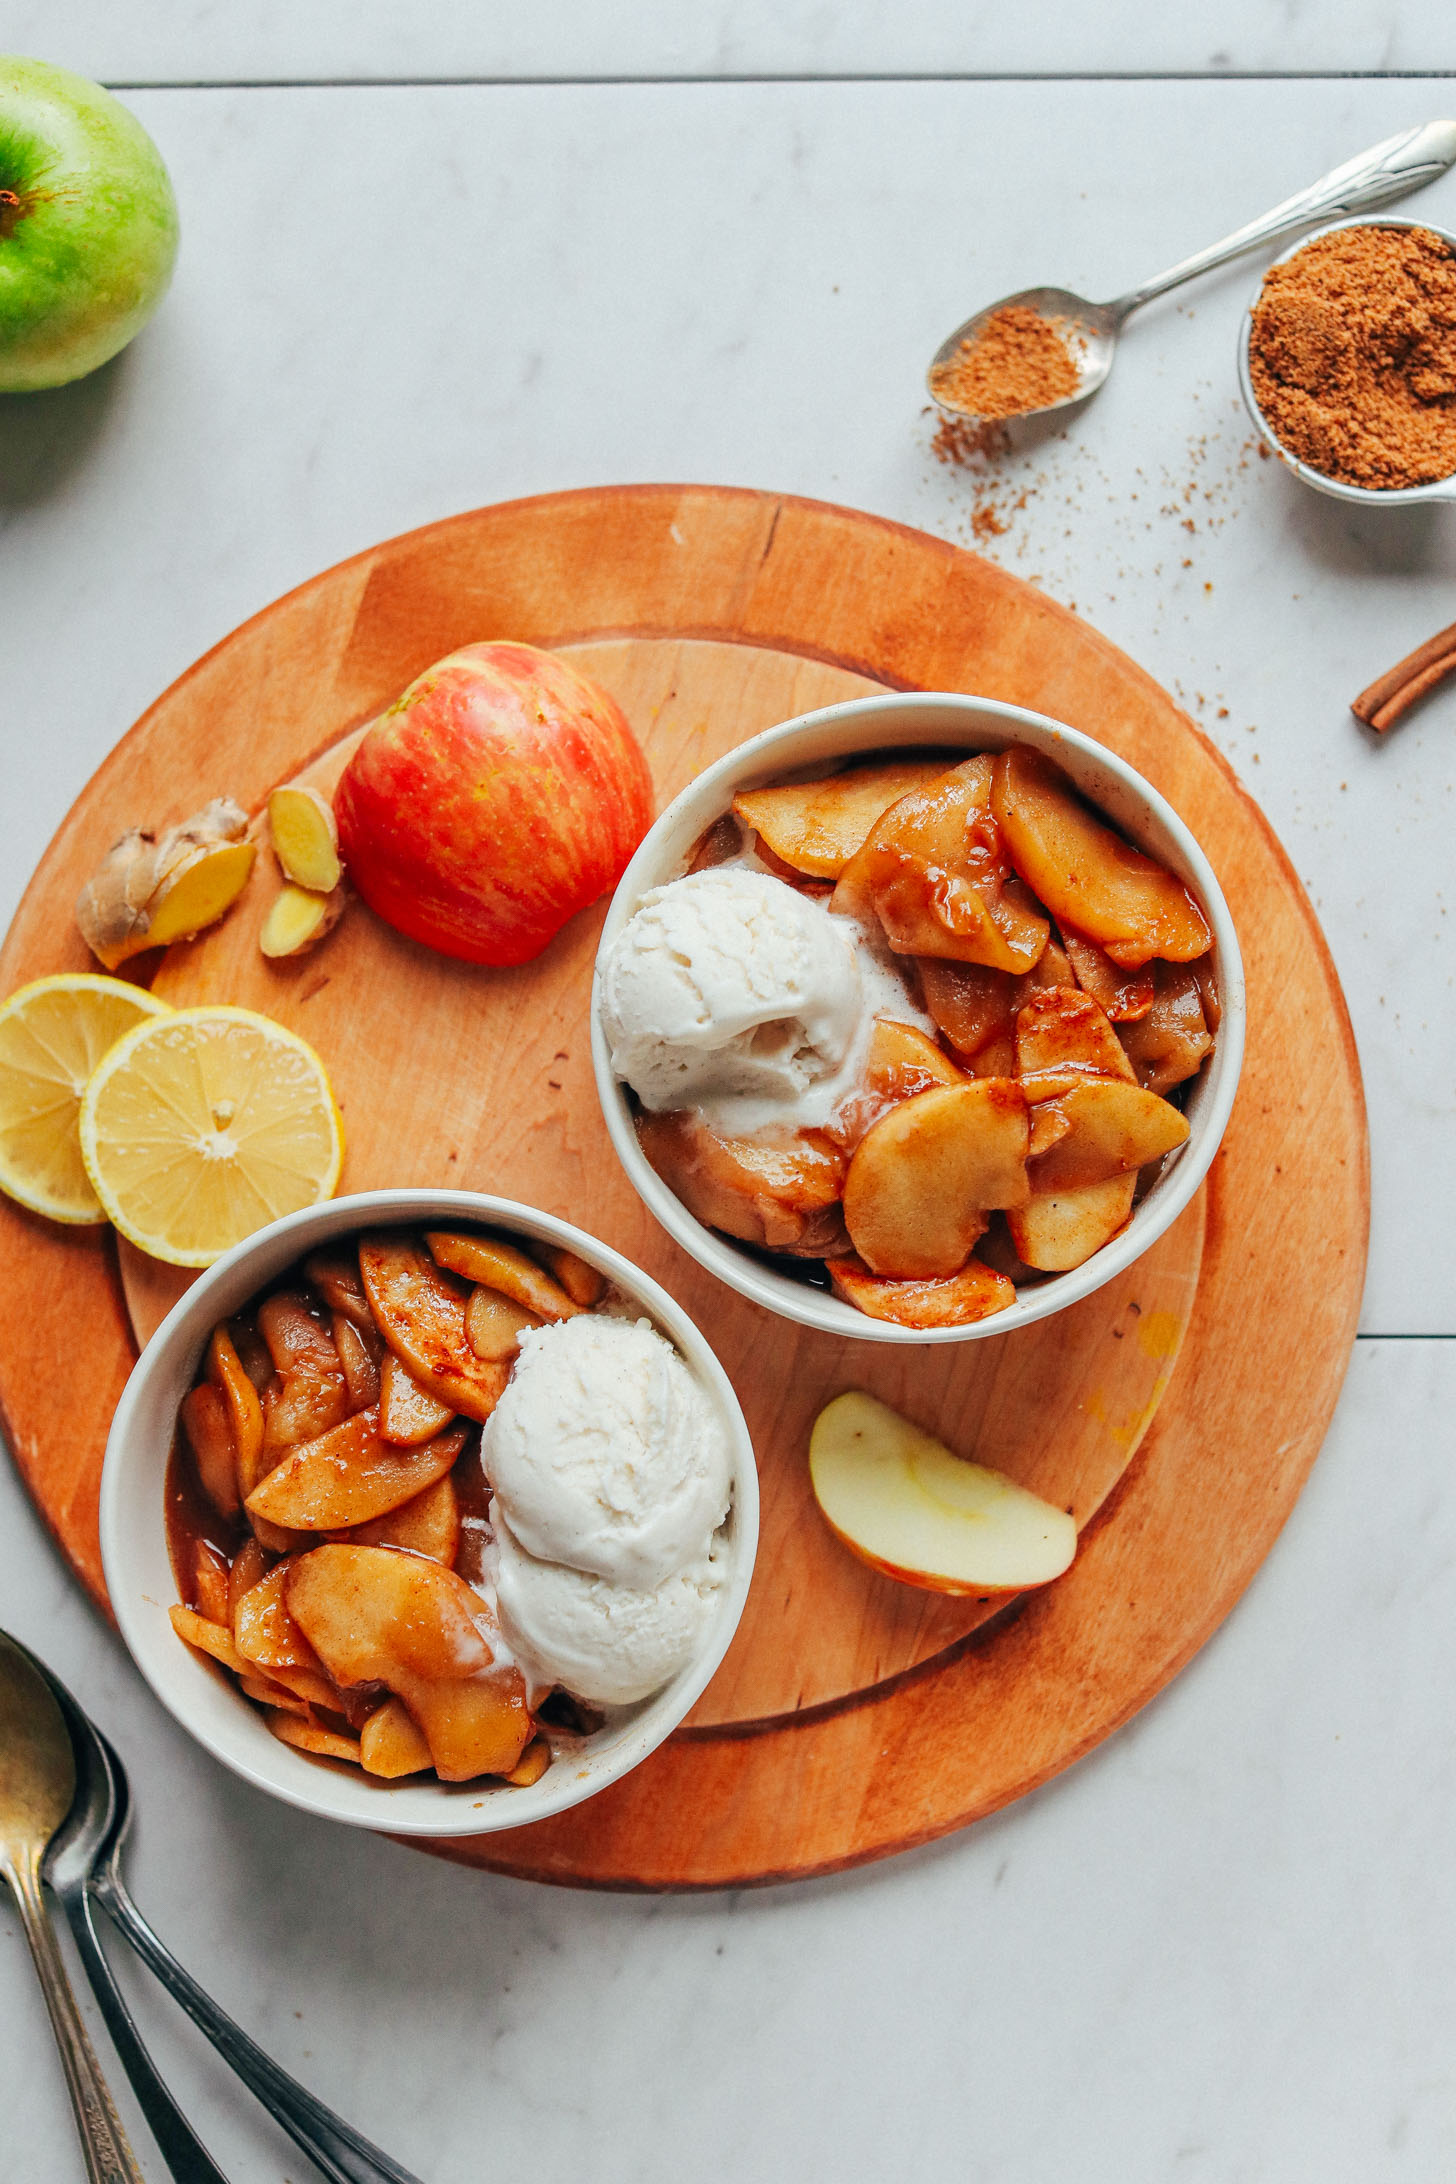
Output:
[[1364, 496]]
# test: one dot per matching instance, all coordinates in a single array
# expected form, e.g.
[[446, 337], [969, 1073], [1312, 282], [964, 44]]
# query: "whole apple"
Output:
[[88, 226], [500, 795]]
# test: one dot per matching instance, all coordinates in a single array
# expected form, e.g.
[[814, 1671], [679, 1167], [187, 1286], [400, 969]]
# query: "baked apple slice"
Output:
[[311, 1393], [208, 1432], [972, 1293], [501, 1266], [408, 1413], [817, 826], [392, 1744], [376, 1616], [1112, 1127], [495, 1324], [924, 1177], [263, 1630], [900, 1062], [1085, 874], [1062, 1038], [334, 1273], [1123, 996], [208, 1637], [582, 1282], [420, 1311], [428, 1525], [349, 1475], [911, 1509], [1057, 1230], [361, 1368], [1172, 1042], [307, 1736], [782, 1196]]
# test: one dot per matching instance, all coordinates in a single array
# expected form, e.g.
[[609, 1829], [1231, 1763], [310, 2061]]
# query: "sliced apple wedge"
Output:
[[816, 826], [420, 1311], [1063, 1037], [334, 1273], [361, 1367], [503, 1267], [428, 1525], [311, 1393], [392, 1744], [784, 1197], [1056, 1230], [495, 1324], [902, 1061], [307, 1736], [972, 1293], [1170, 1043], [349, 1475], [1123, 996], [208, 1431], [263, 1630], [1112, 1126], [923, 1178], [902, 1502], [208, 1637], [582, 1282], [408, 1413], [1087, 876]]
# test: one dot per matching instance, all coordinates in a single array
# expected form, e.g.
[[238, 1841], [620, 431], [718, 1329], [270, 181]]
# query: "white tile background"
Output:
[[1220, 1948]]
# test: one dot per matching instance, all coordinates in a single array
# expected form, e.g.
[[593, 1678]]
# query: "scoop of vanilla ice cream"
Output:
[[611, 1644], [605, 1454], [730, 991]]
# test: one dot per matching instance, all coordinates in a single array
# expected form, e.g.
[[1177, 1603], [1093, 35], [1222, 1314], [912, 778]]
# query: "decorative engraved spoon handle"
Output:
[[109, 2159]]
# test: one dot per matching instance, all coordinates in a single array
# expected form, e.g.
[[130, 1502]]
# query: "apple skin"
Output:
[[498, 796], [88, 226]]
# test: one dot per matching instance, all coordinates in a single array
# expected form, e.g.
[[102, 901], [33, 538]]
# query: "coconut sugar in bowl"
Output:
[[1347, 361]]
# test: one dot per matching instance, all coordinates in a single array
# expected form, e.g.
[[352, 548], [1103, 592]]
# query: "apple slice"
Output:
[[420, 1311], [263, 1630], [250, 1566], [375, 1615], [1123, 996], [311, 1393], [392, 1744], [1171, 1043], [209, 1435], [1057, 1230], [335, 1275], [974, 1292], [816, 826], [582, 1282], [900, 1062], [408, 1413], [428, 1525], [349, 1475], [210, 1581], [494, 1324], [501, 1266], [1087, 876], [783, 1197], [308, 1737], [361, 1371], [208, 1637], [1062, 1038], [531, 1765], [923, 1178], [1112, 1127], [902, 1502]]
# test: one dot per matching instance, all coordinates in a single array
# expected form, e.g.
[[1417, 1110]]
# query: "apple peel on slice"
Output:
[[972, 1293], [501, 1266], [420, 1311], [925, 1175], [816, 826], [904, 1503], [783, 1197]]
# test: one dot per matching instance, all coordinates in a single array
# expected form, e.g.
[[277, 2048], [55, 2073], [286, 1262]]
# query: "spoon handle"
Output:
[[181, 2149], [109, 2159], [1388, 170], [343, 2154]]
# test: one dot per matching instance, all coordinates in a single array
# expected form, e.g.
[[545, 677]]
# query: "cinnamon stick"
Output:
[[1383, 704]]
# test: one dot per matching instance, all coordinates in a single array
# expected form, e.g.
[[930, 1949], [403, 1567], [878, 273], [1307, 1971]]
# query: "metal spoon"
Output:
[[89, 1834], [37, 1781], [1401, 164], [343, 2154]]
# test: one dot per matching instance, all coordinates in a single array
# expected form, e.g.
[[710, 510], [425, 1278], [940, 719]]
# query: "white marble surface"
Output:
[[250, 41], [1220, 1947]]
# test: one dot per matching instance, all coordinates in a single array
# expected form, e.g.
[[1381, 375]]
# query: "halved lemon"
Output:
[[204, 1126], [53, 1033]]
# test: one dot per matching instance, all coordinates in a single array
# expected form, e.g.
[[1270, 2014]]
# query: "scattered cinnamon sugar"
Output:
[[1353, 356], [1019, 361]]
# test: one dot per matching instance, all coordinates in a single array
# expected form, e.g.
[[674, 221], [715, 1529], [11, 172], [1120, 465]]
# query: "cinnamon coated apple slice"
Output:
[[361, 1369], [924, 1177], [392, 1744], [900, 1062], [420, 1311], [311, 1393], [427, 1525], [334, 1273], [816, 826], [349, 1475], [972, 1293], [504, 1267], [582, 1283], [1172, 1042], [263, 1630], [905, 1504], [783, 1196], [208, 1637], [210, 1581], [306, 1736], [1062, 1038], [1057, 1230], [1087, 876], [1123, 996], [1112, 1127], [408, 1413], [375, 1615], [494, 1324], [209, 1435]]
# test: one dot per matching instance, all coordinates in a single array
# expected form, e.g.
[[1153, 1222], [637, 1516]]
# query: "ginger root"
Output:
[[150, 889], [305, 839], [299, 919]]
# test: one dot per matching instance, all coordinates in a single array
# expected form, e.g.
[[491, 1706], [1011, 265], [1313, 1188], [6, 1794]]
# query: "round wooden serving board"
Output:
[[853, 1716]]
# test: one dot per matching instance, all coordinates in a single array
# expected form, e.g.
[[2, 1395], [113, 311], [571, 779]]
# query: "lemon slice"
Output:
[[205, 1125], [53, 1032]]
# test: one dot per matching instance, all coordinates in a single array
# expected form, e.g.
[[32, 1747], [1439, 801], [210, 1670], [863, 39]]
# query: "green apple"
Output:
[[88, 226]]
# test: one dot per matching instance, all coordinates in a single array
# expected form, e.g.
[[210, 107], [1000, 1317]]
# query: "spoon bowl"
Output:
[[1089, 331]]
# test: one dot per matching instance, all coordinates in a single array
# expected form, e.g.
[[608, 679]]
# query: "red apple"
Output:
[[500, 795]]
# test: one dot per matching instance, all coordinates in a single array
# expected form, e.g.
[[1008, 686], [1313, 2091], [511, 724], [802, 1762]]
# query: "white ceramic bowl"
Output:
[[960, 724], [204, 1697]]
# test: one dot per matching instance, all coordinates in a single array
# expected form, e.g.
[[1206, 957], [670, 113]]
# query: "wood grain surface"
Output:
[[852, 1717]]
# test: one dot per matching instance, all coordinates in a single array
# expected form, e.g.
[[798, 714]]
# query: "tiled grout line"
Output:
[[831, 76]]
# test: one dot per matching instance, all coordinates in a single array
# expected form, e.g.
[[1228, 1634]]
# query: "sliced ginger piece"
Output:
[[1085, 874], [349, 1475], [1062, 1038], [150, 890], [408, 1413], [209, 1435], [375, 1615], [494, 1324], [1057, 1230], [972, 1293], [1111, 1127], [817, 826], [298, 920], [925, 1176], [306, 1736], [392, 1743], [305, 838], [502, 1266], [208, 1637], [427, 1525], [781, 1196], [420, 1310]]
